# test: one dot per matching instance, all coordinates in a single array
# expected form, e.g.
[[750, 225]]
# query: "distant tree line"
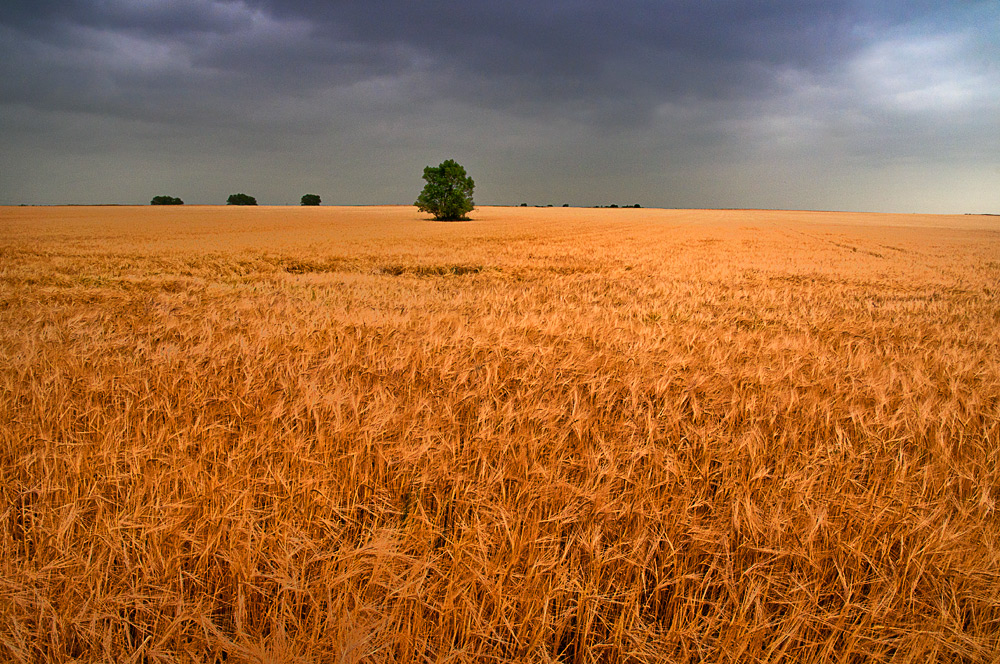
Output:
[[613, 205], [455, 207], [234, 199], [447, 194]]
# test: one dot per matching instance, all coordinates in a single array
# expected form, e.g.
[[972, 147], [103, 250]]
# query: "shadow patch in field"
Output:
[[428, 270], [299, 266]]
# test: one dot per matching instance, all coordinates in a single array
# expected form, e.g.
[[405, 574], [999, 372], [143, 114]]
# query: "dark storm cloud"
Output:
[[590, 52], [530, 56], [173, 59], [176, 17], [588, 96]]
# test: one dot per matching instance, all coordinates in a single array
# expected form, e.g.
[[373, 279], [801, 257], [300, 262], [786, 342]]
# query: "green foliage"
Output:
[[448, 192], [166, 200], [241, 199], [310, 199]]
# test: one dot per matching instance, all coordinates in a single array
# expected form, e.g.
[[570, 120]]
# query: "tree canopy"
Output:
[[241, 199], [448, 192], [166, 200], [310, 199]]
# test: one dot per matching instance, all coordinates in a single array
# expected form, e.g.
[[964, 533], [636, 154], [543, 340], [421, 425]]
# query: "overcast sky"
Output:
[[839, 104]]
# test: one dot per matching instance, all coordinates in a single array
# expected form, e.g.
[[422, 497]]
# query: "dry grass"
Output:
[[352, 435]]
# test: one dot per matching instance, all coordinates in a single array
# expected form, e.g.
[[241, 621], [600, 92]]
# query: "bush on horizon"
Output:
[[241, 199], [166, 200]]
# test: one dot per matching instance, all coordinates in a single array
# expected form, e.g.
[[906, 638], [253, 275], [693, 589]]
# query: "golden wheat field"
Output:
[[234, 434]]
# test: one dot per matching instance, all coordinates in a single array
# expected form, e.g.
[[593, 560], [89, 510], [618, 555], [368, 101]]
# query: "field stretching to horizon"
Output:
[[233, 434]]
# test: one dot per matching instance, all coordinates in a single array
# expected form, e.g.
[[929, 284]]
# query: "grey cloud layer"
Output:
[[665, 88]]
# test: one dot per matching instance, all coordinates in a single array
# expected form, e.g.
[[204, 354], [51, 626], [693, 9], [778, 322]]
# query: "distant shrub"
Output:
[[241, 199], [524, 205], [310, 199], [166, 200], [565, 204]]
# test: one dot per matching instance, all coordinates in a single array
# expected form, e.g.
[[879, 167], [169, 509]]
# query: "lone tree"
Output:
[[448, 192], [241, 199], [166, 200], [310, 199]]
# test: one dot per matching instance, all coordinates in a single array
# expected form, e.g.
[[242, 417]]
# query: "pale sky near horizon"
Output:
[[843, 105]]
